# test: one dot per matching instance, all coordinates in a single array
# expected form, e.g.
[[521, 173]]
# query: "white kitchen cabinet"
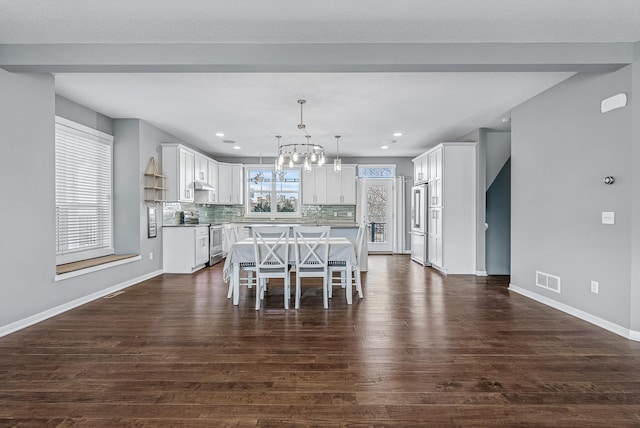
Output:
[[435, 193], [341, 186], [209, 196], [434, 216], [418, 247], [185, 249], [201, 168], [452, 208], [212, 179], [435, 251], [186, 191], [434, 160], [230, 183], [420, 169], [178, 164], [314, 185], [434, 176], [349, 182]]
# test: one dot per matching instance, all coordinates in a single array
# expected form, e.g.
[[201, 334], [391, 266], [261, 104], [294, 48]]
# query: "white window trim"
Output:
[[272, 214], [108, 139], [378, 165]]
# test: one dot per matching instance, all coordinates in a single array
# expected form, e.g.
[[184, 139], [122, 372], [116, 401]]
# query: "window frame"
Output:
[[274, 206], [93, 136], [391, 166]]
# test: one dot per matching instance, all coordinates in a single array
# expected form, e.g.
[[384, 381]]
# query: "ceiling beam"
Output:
[[344, 57]]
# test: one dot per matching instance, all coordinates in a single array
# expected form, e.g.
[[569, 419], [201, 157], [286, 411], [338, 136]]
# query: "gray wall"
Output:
[[126, 190], [83, 115], [498, 152], [634, 301], [498, 235], [497, 244], [150, 140], [562, 147], [28, 107], [27, 243]]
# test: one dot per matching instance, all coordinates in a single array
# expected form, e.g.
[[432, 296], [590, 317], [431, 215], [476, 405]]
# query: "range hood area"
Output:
[[202, 185]]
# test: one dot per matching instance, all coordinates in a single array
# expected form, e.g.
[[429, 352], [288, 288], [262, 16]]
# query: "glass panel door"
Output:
[[377, 199]]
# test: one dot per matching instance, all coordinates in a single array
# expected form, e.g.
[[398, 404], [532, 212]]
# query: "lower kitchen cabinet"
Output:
[[185, 249]]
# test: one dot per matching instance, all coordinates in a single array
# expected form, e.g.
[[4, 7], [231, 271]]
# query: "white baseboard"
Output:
[[481, 273], [34, 319], [599, 322], [439, 269]]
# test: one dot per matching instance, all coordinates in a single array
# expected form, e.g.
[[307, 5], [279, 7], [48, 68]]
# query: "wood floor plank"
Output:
[[421, 349]]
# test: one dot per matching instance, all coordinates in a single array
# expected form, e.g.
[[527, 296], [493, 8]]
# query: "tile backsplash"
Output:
[[326, 214]]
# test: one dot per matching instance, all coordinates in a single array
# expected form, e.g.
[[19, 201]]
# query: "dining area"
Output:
[[293, 257]]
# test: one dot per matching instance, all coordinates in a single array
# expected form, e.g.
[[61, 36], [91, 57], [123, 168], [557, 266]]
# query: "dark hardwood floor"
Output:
[[419, 350]]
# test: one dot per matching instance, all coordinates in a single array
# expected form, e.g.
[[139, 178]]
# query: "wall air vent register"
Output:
[[550, 282]]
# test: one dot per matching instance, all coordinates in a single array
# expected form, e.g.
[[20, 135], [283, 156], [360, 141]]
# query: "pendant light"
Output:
[[337, 162], [280, 158]]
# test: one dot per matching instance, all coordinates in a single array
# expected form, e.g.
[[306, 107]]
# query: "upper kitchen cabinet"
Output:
[[178, 164], [421, 169], [434, 159], [201, 168], [314, 185], [230, 183], [341, 186], [209, 194]]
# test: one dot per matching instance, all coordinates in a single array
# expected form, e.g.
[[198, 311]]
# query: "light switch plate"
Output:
[[608, 217]]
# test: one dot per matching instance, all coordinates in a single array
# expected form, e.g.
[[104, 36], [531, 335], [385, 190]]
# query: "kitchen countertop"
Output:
[[247, 224], [191, 225], [334, 226]]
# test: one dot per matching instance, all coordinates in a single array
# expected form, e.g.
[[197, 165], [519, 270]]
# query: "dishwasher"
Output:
[[215, 244]]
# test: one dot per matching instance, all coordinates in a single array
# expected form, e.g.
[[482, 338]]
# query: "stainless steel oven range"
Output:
[[215, 244]]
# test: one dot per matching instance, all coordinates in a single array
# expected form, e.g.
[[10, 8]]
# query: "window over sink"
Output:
[[272, 193]]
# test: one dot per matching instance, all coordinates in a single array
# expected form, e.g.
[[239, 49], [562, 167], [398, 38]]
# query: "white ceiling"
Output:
[[366, 108]]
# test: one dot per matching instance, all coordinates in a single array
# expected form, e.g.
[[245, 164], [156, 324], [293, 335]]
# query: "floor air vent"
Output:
[[112, 295], [550, 282]]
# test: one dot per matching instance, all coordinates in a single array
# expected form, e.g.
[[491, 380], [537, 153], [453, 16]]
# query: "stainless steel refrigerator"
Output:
[[419, 198]]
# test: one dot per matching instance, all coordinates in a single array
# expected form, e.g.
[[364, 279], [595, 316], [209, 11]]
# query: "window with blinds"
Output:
[[84, 214]]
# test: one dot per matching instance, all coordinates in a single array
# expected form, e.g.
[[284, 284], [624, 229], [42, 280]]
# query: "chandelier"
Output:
[[308, 153]]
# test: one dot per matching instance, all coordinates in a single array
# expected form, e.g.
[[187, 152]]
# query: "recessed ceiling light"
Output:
[[219, 134], [506, 119], [385, 147], [397, 134], [236, 147]]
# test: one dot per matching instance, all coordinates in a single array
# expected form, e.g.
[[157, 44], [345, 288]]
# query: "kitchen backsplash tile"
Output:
[[311, 214]]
